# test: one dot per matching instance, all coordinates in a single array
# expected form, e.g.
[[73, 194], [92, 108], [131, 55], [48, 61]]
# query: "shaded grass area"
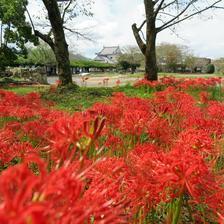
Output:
[[84, 97], [79, 99]]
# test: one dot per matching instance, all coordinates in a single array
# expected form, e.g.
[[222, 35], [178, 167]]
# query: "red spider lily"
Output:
[[180, 83], [178, 172], [111, 112], [160, 131], [204, 97], [164, 151], [114, 143], [57, 197], [17, 187], [164, 176], [69, 134], [134, 122], [10, 147], [198, 140]]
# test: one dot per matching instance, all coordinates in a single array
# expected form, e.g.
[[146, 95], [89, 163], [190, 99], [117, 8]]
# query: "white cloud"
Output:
[[112, 20]]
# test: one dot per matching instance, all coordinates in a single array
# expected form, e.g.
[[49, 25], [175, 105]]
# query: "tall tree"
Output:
[[58, 13], [161, 15]]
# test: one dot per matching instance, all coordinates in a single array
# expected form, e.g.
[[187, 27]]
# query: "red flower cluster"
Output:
[[155, 160], [180, 83]]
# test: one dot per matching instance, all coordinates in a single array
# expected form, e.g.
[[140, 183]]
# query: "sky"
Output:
[[111, 26]]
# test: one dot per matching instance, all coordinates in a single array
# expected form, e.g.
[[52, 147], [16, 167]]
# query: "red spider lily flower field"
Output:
[[131, 160]]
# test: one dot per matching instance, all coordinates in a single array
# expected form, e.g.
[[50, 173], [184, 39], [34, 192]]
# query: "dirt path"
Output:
[[89, 81]]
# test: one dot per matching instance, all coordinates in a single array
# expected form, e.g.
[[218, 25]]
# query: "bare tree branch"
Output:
[[177, 16], [139, 40], [172, 22], [31, 21], [167, 5], [65, 10], [158, 8], [167, 14], [144, 22], [45, 38], [79, 34], [37, 33]]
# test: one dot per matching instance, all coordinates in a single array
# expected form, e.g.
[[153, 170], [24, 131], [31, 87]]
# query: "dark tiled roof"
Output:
[[110, 50]]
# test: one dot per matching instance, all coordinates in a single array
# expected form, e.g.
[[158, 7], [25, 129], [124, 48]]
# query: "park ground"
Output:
[[111, 79]]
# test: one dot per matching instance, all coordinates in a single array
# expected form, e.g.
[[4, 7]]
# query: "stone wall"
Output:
[[36, 75]]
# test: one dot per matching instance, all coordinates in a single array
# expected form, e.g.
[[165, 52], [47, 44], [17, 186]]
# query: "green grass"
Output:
[[77, 99], [214, 93], [23, 90], [85, 97], [188, 75], [176, 75]]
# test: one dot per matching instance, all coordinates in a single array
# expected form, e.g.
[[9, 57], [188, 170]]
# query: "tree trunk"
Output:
[[60, 46], [150, 57], [150, 53], [62, 57], [149, 47]]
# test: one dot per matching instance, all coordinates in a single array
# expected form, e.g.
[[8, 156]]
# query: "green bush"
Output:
[[210, 69], [7, 57], [125, 65]]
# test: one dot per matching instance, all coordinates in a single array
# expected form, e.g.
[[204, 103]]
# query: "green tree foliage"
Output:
[[124, 65], [90, 64], [190, 62], [15, 32], [219, 65], [15, 29], [173, 57], [169, 56], [210, 69], [132, 58], [42, 54], [7, 57]]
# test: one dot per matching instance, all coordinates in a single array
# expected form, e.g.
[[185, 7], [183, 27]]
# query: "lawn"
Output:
[[177, 75], [149, 153]]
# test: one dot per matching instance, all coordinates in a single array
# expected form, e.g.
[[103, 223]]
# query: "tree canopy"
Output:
[[14, 27], [15, 32]]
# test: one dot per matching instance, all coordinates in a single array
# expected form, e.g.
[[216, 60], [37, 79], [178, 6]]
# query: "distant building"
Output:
[[108, 55]]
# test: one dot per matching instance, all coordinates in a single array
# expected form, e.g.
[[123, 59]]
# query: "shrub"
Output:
[[210, 69]]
